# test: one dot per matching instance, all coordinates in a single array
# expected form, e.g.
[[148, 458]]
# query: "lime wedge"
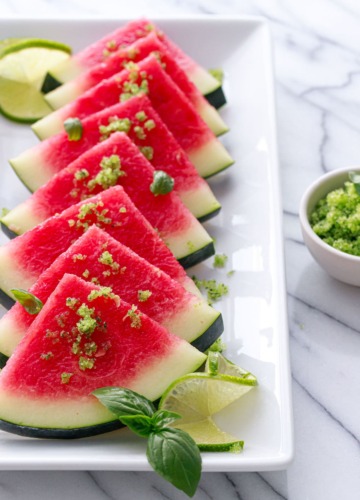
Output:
[[198, 396], [23, 66]]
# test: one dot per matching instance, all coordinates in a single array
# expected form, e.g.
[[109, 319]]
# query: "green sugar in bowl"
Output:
[[330, 222]]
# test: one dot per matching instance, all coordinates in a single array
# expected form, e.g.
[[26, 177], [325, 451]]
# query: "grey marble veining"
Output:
[[318, 102]]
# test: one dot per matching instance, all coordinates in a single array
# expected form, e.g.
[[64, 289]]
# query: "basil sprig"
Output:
[[31, 304], [171, 452]]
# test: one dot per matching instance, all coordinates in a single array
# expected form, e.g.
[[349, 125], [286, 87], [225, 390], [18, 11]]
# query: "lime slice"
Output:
[[23, 66], [198, 396]]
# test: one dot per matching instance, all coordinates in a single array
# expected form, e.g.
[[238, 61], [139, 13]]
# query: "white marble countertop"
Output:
[[318, 88]]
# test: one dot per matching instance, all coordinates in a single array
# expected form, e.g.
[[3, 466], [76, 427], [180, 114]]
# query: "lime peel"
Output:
[[198, 396], [24, 63]]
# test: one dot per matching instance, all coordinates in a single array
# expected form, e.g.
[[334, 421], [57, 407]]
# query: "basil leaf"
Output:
[[31, 304], [74, 129], [355, 178], [162, 418], [122, 401], [174, 455], [142, 425], [162, 183]]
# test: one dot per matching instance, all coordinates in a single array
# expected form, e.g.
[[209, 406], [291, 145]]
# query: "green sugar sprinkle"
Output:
[[141, 116], [86, 363], [78, 256], [65, 377], [109, 174], [72, 302], [81, 174], [143, 295], [105, 291], [336, 219], [220, 260], [148, 152], [139, 131], [115, 125], [135, 317], [47, 356], [215, 291], [149, 124]]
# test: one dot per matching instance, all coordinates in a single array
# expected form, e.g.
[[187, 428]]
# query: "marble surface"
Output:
[[317, 72]]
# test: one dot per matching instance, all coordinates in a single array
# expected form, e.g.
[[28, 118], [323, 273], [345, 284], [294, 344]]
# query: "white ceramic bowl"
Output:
[[339, 265]]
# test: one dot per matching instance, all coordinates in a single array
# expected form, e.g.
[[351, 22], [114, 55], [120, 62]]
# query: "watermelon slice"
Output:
[[114, 161], [205, 151], [150, 44], [96, 256], [99, 51], [78, 181], [24, 258], [38, 164], [86, 337]]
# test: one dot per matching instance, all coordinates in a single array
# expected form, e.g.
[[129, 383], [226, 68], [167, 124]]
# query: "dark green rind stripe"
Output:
[[79, 432], [3, 360], [212, 333], [216, 98], [50, 83], [5, 300], [198, 256], [7, 231], [209, 216]]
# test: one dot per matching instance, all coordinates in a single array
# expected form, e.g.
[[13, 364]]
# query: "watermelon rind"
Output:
[[58, 433], [3, 360], [216, 98], [45, 417], [208, 157]]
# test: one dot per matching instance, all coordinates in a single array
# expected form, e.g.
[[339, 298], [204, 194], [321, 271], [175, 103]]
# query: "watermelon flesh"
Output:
[[146, 76], [98, 257], [38, 164], [99, 51], [24, 258], [114, 161], [85, 338], [139, 50]]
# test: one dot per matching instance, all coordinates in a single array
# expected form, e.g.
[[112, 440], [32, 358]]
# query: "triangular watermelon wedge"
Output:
[[38, 164], [84, 338], [99, 257], [115, 161], [151, 44], [124, 36], [24, 258], [205, 151]]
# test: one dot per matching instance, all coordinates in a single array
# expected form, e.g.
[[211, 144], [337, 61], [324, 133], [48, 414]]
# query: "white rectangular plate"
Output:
[[248, 231]]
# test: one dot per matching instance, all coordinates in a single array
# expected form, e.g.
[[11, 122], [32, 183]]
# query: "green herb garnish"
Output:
[[73, 128], [162, 183], [31, 304], [171, 452]]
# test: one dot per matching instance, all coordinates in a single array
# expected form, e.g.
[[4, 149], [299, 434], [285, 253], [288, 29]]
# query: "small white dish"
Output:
[[340, 265]]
